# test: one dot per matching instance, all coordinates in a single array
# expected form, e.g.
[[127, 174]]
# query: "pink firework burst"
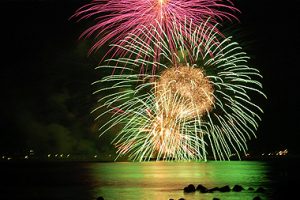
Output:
[[116, 18]]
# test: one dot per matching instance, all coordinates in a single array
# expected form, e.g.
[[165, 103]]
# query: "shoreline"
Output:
[[37, 160]]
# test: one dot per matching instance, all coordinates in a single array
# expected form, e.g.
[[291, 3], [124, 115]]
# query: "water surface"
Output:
[[165, 180], [148, 180]]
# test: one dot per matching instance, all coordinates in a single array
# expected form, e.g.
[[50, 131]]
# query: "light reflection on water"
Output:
[[165, 180]]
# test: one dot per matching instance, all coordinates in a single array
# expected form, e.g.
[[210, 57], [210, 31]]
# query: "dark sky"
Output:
[[46, 75]]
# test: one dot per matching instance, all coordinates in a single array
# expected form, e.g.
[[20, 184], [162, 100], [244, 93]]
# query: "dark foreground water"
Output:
[[150, 180]]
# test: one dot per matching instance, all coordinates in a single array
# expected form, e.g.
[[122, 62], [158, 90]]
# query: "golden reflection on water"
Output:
[[165, 180]]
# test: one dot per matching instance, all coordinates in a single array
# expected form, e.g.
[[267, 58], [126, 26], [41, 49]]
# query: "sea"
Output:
[[147, 180]]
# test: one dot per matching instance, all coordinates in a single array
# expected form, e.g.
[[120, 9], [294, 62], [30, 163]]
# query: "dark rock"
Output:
[[201, 188], [260, 189], [251, 188], [190, 188], [237, 188], [225, 188], [257, 198], [213, 189], [100, 198]]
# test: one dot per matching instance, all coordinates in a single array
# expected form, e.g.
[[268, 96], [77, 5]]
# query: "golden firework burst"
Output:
[[188, 88]]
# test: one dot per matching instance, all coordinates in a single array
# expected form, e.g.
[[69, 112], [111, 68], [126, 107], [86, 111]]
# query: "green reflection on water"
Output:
[[165, 180]]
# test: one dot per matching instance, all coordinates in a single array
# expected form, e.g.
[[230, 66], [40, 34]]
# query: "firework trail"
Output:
[[196, 104], [114, 19]]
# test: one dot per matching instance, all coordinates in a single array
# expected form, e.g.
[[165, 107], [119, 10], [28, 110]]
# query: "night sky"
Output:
[[46, 75]]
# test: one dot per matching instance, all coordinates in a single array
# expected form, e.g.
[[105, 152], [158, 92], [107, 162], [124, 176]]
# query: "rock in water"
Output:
[[190, 188], [213, 189], [225, 188], [237, 188], [201, 188]]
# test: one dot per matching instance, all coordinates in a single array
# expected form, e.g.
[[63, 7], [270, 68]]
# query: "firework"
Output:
[[196, 104], [188, 83], [114, 19]]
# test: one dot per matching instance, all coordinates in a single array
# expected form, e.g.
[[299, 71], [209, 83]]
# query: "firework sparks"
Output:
[[190, 84], [196, 104], [116, 18]]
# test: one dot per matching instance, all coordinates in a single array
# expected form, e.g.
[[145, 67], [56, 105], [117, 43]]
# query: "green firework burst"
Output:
[[201, 107]]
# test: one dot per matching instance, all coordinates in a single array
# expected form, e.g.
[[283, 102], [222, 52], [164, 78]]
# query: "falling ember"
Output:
[[181, 93], [165, 133]]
